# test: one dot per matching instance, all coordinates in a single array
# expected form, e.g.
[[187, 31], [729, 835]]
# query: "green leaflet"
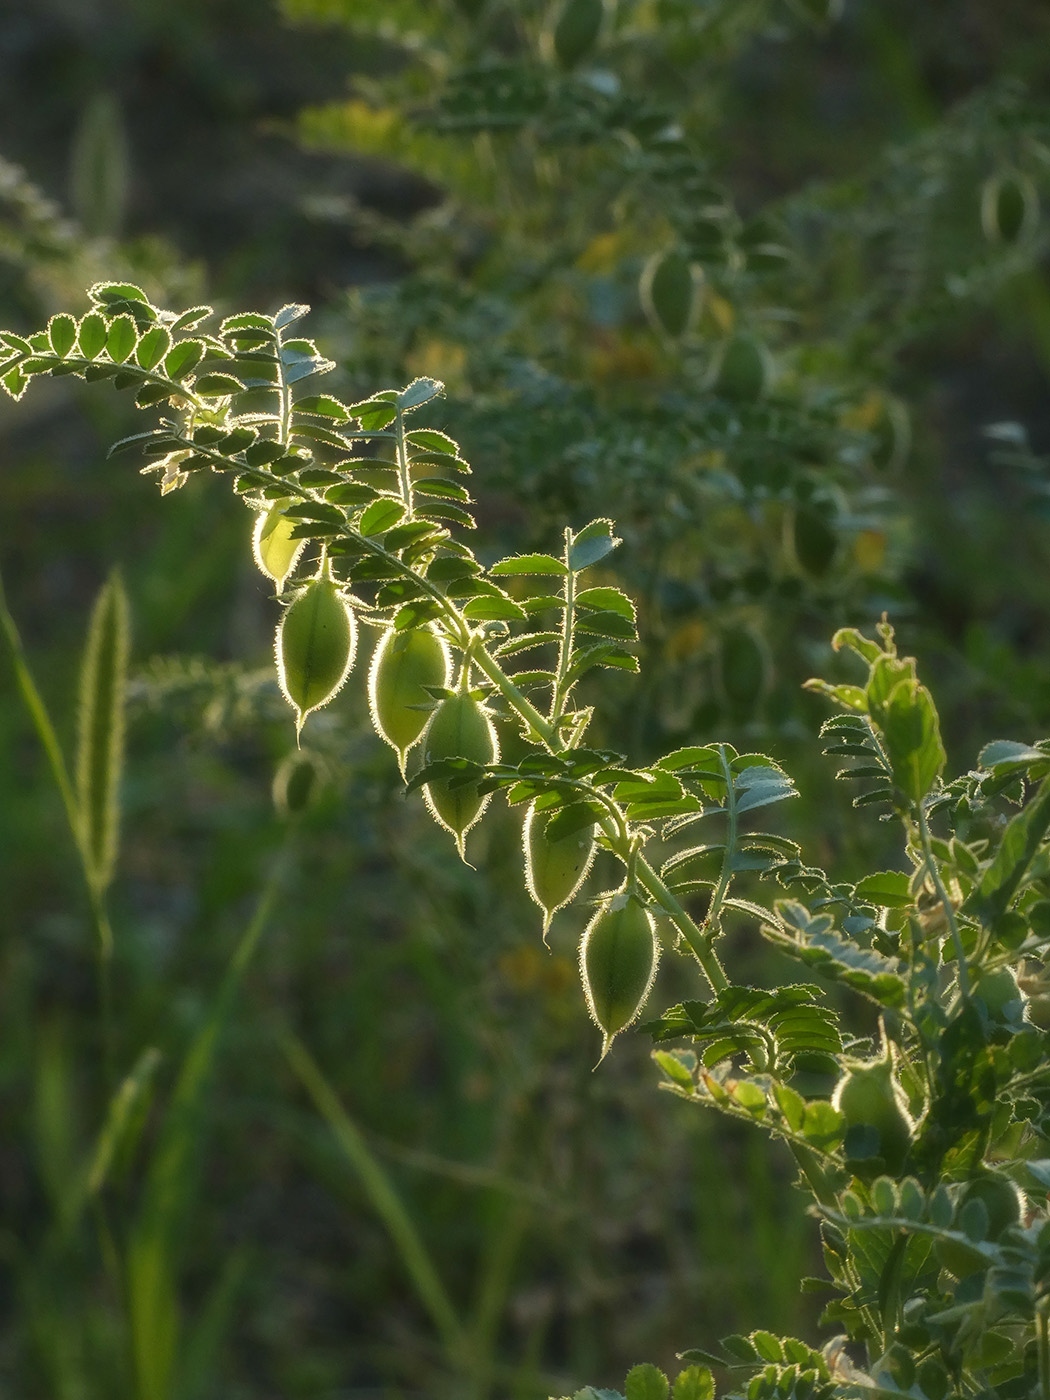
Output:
[[1004, 874], [646, 1382], [276, 550], [771, 1028], [913, 739], [100, 733]]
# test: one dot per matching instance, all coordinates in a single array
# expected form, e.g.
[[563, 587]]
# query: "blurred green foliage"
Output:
[[462, 200]]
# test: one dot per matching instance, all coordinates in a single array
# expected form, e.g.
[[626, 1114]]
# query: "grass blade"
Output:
[[54, 1118], [34, 703], [154, 1240], [382, 1195], [197, 1371], [154, 1310], [507, 1222], [125, 1117], [124, 1121]]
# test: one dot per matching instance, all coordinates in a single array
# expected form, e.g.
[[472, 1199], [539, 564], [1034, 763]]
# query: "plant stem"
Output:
[[502, 1247], [544, 730], [815, 1175], [686, 926], [934, 872], [1042, 1332], [104, 965], [79, 363], [711, 922], [560, 694], [384, 1198], [285, 394], [403, 469]]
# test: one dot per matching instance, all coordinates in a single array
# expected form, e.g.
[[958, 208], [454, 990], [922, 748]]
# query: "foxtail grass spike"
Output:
[[100, 736]]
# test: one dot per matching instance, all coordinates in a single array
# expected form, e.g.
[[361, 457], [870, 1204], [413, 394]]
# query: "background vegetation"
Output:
[[458, 201]]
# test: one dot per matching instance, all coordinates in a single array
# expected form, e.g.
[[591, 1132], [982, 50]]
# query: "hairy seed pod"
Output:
[[668, 292], [1002, 997], [460, 727], [1000, 1204], [1002, 1199], [403, 665], [576, 30], [276, 553], [1009, 208], [868, 1096], [316, 641], [891, 436], [297, 782], [742, 370], [814, 542], [554, 870], [619, 954]]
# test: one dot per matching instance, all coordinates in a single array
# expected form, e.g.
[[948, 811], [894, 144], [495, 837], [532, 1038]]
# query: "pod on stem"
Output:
[[316, 641], [619, 954], [1009, 208], [403, 665], [873, 1104], [554, 870], [460, 727]]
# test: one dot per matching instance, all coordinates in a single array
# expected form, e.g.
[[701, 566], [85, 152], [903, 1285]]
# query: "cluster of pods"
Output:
[[316, 645]]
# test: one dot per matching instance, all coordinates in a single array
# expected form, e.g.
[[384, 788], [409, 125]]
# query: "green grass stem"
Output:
[[382, 1196], [154, 1240]]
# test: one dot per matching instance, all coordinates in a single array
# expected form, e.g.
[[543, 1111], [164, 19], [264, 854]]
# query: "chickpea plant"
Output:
[[926, 1151]]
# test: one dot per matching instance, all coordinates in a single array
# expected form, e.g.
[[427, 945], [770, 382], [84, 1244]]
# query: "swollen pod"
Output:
[[742, 370], [460, 727], [576, 28], [316, 641], [872, 1102], [554, 870], [619, 954], [403, 665], [1009, 208], [668, 292]]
